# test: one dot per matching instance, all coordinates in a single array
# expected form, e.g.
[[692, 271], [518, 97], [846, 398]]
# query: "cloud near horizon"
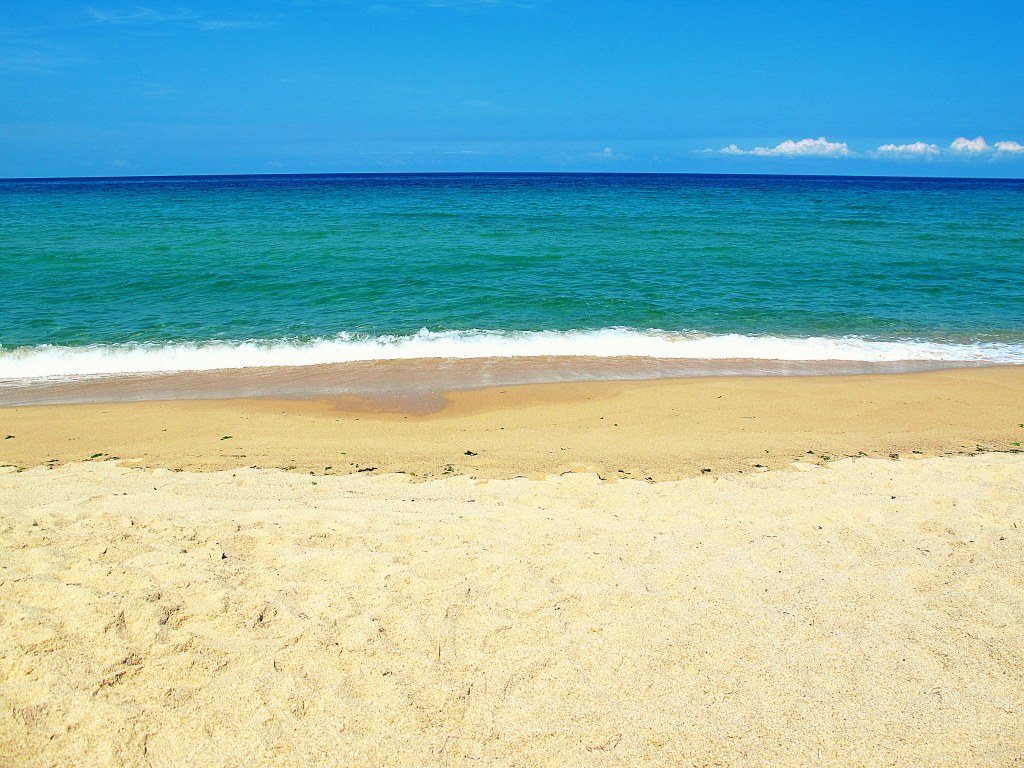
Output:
[[1009, 146], [917, 149], [820, 147], [978, 146], [961, 147], [970, 146]]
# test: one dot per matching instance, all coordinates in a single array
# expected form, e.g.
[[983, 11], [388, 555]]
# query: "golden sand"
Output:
[[848, 611]]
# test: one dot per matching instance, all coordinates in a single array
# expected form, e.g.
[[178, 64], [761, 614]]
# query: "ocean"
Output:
[[602, 275]]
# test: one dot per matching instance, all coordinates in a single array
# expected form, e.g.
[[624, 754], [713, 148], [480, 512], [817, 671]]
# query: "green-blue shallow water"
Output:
[[179, 273]]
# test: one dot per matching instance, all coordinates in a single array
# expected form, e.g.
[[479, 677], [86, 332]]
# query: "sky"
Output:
[[112, 88]]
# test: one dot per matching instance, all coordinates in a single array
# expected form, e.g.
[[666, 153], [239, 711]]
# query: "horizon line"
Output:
[[155, 177]]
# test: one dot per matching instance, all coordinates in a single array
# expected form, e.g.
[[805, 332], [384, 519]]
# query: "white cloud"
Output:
[[1009, 146], [604, 154], [965, 146], [917, 149], [138, 15], [232, 24], [961, 147], [820, 147], [397, 6], [36, 58], [142, 16]]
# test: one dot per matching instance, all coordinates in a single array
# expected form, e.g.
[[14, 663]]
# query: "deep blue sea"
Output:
[[191, 273]]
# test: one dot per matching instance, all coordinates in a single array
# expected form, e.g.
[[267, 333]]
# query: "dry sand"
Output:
[[862, 611]]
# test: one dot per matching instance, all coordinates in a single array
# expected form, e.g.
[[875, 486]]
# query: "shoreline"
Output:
[[658, 429], [429, 378]]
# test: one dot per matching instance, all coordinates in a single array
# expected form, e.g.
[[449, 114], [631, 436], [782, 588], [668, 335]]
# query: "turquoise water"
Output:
[[114, 275]]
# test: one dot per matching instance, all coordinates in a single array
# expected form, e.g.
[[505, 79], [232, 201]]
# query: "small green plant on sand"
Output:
[[226, 437]]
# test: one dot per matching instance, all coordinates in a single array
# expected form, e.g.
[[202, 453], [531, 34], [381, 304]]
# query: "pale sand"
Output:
[[860, 612]]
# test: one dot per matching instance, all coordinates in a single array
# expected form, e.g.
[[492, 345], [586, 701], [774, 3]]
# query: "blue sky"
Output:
[[106, 87]]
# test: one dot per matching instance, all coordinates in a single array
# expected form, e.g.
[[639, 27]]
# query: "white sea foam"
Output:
[[55, 361]]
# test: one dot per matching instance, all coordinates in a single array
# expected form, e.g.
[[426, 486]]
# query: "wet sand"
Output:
[[660, 429], [415, 386]]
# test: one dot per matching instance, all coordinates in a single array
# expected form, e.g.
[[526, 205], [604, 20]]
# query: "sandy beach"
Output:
[[731, 571]]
